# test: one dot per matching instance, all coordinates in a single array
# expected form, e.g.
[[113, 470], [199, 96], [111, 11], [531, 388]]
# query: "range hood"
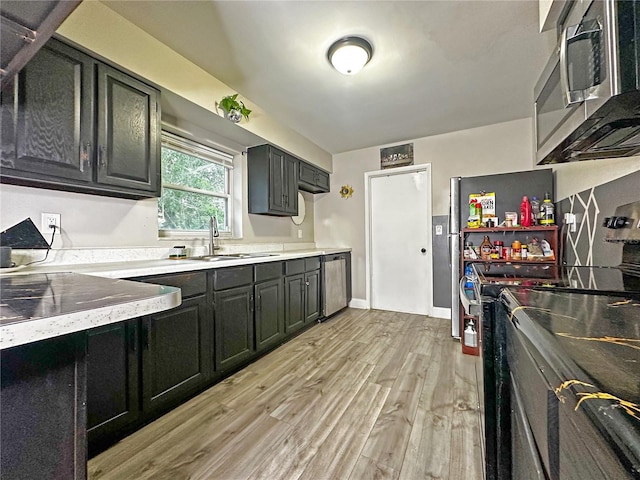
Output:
[[612, 131]]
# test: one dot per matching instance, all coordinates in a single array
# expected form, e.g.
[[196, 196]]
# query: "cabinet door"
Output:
[[322, 181], [234, 330], [43, 410], [50, 135], [269, 313], [176, 354], [128, 131], [276, 180], [307, 174], [112, 382], [290, 181], [294, 287], [312, 296]]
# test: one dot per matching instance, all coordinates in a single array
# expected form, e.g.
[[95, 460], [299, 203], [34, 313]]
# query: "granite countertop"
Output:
[[45, 305], [140, 268], [588, 348], [39, 302]]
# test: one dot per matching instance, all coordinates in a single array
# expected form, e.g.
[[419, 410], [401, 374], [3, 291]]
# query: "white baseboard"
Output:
[[440, 312], [359, 303]]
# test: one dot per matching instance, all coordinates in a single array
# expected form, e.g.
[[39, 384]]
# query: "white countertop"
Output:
[[31, 307], [45, 305], [141, 268]]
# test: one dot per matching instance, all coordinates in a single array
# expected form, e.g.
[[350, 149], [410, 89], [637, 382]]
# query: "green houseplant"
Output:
[[234, 109]]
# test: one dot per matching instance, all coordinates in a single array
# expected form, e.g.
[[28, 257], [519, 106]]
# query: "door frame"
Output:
[[368, 176]]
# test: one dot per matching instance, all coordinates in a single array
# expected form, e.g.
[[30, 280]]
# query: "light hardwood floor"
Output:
[[365, 395]]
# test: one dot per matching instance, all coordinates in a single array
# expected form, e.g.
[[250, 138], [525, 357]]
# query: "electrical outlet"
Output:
[[570, 220], [438, 229], [50, 219], [299, 233]]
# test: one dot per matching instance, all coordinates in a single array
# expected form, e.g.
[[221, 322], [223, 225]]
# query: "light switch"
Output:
[[438, 229]]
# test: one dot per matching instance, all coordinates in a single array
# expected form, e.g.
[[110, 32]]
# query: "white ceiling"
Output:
[[438, 66]]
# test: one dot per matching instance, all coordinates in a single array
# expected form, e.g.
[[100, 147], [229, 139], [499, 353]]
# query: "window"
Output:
[[196, 184]]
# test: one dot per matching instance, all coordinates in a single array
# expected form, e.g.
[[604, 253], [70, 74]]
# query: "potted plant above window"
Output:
[[234, 109]]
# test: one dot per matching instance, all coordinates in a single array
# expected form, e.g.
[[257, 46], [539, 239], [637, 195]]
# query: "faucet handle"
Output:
[[216, 233]]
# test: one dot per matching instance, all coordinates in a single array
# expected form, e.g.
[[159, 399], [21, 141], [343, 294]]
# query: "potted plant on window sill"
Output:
[[234, 109]]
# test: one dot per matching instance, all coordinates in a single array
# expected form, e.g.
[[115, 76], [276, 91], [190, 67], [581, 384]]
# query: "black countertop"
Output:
[[588, 348]]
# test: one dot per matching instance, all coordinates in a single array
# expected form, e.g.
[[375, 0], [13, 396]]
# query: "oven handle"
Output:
[[471, 307], [571, 97]]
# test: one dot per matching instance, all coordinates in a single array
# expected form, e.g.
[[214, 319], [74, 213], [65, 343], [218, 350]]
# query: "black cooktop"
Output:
[[493, 277]]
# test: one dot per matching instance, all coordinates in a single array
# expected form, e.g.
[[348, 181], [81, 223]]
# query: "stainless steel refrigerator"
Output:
[[509, 189]]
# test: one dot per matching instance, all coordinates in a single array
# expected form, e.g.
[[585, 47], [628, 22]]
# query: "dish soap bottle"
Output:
[[470, 335], [547, 215]]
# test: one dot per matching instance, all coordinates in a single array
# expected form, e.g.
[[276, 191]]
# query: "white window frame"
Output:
[[213, 155]]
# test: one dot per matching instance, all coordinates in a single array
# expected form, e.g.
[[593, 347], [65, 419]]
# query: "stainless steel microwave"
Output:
[[587, 101]]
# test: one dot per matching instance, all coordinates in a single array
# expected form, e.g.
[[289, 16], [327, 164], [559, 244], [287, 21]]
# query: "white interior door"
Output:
[[400, 241]]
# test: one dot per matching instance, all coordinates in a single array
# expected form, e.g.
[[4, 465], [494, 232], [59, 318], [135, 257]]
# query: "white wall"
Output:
[[571, 178], [90, 221], [499, 148]]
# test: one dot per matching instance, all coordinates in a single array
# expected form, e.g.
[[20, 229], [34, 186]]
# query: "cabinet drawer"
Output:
[[189, 283], [267, 271], [312, 263], [231, 277], [293, 267]]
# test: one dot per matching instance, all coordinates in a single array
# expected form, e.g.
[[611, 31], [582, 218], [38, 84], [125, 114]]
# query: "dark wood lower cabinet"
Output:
[[43, 410], [269, 313], [176, 354], [141, 368], [113, 394], [312, 296], [294, 286], [234, 331]]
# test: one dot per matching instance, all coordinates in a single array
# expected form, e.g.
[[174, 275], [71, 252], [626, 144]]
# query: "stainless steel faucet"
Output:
[[213, 233]]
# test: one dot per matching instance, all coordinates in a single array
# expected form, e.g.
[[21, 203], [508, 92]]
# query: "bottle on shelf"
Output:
[[516, 250], [523, 252], [525, 212], [499, 246], [485, 248], [535, 210], [547, 211], [470, 335]]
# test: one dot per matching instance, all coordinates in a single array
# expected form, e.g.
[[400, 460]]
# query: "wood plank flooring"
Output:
[[368, 394]]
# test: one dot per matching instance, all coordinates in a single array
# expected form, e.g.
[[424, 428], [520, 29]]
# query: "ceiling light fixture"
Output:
[[348, 55]]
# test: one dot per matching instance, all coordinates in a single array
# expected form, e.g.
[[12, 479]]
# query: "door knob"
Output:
[[423, 250]]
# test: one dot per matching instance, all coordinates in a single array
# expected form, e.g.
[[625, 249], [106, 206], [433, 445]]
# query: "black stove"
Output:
[[553, 335], [492, 278]]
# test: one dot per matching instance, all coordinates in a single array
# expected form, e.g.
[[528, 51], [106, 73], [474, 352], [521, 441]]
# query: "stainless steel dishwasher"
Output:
[[334, 283]]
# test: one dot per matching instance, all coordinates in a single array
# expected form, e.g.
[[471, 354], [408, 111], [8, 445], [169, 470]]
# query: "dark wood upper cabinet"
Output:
[[312, 179], [47, 117], [70, 122], [273, 181], [128, 131]]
